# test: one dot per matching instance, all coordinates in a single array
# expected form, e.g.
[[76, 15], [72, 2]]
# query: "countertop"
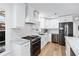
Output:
[[74, 44], [18, 41], [21, 41]]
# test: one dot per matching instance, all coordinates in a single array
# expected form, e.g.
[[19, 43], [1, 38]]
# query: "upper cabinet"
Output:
[[18, 15], [68, 18], [52, 23]]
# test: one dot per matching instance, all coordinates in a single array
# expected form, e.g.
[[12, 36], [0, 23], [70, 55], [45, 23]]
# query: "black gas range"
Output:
[[35, 44]]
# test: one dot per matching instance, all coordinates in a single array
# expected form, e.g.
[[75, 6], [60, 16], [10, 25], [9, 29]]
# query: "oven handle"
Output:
[[35, 42]]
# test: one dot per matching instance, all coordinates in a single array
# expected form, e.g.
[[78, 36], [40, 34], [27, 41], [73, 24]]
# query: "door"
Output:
[[66, 27], [70, 29]]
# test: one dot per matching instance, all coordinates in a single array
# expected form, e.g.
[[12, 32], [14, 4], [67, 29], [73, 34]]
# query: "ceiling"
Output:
[[56, 9]]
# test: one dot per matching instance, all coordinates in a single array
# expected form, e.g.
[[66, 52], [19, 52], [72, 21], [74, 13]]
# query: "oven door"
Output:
[[35, 48]]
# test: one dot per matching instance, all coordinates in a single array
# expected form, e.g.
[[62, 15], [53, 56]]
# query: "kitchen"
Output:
[[40, 29]]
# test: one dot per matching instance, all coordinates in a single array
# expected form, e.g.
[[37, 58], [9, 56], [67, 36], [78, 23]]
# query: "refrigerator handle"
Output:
[[66, 30]]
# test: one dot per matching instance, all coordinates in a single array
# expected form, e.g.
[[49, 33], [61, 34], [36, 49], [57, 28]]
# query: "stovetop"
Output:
[[30, 37]]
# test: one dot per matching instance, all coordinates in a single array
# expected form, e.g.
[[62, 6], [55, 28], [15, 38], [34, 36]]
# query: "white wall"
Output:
[[22, 31], [42, 21], [53, 31], [75, 29]]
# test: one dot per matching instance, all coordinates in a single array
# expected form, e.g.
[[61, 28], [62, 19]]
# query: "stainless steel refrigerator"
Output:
[[65, 29]]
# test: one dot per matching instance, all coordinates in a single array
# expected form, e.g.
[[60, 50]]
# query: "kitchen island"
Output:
[[72, 43]]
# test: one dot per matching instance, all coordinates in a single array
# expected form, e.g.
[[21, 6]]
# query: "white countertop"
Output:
[[21, 41], [74, 44]]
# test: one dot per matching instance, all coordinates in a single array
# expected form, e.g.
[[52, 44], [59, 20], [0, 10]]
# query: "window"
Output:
[[2, 31], [2, 18]]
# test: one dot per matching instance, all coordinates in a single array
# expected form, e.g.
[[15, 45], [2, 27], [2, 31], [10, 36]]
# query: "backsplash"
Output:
[[53, 31], [24, 31]]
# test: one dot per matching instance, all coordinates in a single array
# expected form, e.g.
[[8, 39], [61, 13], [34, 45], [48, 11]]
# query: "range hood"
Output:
[[29, 20]]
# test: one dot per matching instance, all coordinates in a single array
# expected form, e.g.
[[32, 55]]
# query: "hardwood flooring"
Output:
[[53, 49]]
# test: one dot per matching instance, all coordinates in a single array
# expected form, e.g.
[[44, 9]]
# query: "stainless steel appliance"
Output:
[[55, 38], [65, 29], [35, 44], [2, 41], [2, 36]]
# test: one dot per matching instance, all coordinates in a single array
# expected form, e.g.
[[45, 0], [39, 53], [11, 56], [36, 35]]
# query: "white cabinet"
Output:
[[44, 40], [21, 49], [52, 24], [66, 18], [67, 49], [30, 11], [42, 22], [18, 15]]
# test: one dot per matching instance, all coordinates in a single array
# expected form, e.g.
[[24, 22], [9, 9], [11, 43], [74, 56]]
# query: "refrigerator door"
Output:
[[61, 33], [67, 31], [70, 29], [66, 27]]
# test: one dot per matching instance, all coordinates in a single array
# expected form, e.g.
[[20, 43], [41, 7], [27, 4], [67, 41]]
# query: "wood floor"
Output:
[[53, 49]]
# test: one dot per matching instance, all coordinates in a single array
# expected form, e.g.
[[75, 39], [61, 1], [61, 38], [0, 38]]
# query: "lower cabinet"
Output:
[[44, 40], [67, 48], [21, 50]]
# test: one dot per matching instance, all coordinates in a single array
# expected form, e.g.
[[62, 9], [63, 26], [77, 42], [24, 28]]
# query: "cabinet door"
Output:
[[70, 29], [18, 15], [67, 50], [66, 19], [69, 18], [42, 41], [53, 23], [30, 11], [26, 50], [21, 50]]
